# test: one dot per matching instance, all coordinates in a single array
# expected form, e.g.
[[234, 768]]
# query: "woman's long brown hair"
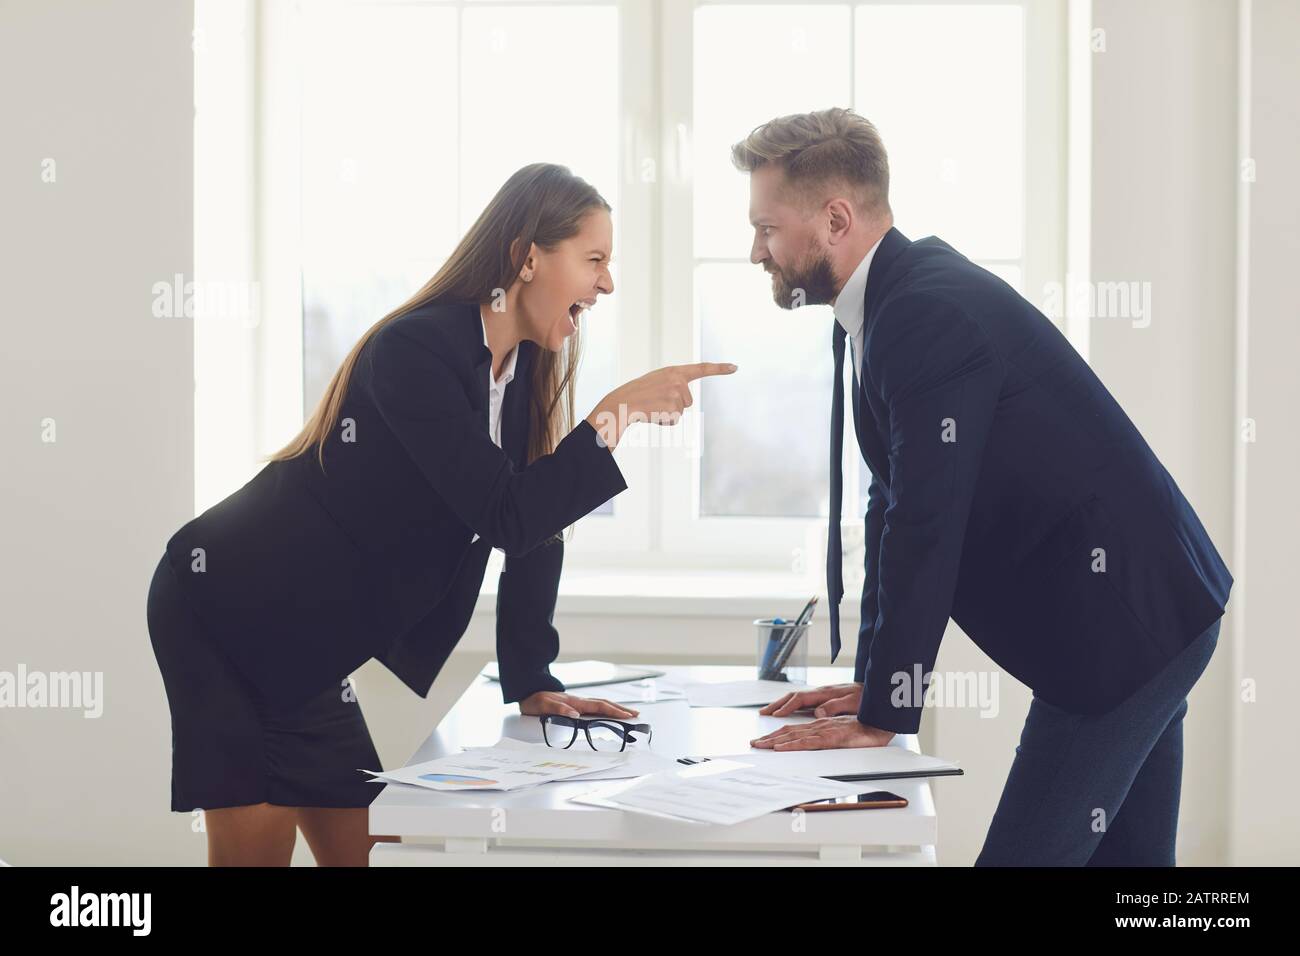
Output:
[[542, 203]]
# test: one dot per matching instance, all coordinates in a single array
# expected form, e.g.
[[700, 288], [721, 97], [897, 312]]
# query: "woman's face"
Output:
[[565, 281]]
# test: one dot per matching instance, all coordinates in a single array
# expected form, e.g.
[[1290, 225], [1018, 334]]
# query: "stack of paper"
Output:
[[721, 792], [648, 691], [505, 766], [633, 762], [740, 693], [856, 763], [586, 673]]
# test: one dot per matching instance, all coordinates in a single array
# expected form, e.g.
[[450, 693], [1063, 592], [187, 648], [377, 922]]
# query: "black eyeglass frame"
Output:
[[571, 725]]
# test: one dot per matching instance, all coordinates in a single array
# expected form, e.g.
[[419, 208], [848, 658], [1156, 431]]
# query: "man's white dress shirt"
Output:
[[849, 305]]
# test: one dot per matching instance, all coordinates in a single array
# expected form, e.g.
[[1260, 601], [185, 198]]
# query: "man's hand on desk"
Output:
[[829, 701], [830, 733], [557, 702], [837, 706]]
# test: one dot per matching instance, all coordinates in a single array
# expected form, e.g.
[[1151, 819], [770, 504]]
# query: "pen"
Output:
[[773, 648], [794, 634]]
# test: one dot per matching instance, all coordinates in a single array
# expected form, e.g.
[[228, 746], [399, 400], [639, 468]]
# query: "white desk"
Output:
[[541, 827]]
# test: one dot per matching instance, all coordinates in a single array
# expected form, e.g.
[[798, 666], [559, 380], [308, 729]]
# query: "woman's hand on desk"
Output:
[[829, 701], [659, 397], [557, 702]]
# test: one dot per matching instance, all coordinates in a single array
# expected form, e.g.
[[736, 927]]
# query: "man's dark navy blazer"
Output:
[[308, 574], [1011, 492]]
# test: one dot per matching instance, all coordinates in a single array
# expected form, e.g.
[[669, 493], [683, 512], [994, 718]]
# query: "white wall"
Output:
[[104, 90], [1163, 211], [1264, 826], [85, 518]]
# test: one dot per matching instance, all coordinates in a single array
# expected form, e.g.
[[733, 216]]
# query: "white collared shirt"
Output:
[[497, 389], [849, 305]]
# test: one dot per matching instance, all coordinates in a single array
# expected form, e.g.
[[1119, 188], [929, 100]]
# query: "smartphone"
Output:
[[875, 800]]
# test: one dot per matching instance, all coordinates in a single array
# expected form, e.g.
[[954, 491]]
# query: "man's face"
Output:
[[788, 243]]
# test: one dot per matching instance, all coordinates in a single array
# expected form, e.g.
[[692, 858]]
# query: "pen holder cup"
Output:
[[782, 651]]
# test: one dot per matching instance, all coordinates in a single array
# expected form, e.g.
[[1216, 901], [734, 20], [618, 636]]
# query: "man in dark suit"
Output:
[[1009, 491]]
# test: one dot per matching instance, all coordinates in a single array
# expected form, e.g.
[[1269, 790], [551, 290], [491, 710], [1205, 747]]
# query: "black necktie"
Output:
[[834, 550]]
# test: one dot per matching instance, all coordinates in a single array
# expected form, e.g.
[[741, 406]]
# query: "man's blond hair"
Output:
[[826, 149]]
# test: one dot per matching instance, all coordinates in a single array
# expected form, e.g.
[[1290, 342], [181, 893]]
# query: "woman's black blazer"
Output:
[[302, 575]]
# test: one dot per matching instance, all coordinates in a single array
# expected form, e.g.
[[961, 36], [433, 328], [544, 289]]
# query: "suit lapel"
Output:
[[468, 326], [873, 427], [514, 411], [891, 247]]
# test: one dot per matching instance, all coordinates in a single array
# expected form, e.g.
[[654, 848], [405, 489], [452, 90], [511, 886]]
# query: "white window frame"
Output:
[[776, 543], [278, 344], [655, 524]]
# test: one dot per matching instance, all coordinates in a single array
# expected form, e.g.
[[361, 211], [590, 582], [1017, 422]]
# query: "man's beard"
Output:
[[810, 283]]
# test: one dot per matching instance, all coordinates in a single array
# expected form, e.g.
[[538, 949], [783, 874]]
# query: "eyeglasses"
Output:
[[603, 733]]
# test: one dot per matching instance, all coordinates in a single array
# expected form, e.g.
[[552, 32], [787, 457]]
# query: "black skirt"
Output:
[[230, 749]]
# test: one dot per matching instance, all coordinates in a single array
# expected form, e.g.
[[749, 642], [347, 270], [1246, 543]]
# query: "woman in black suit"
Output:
[[447, 431]]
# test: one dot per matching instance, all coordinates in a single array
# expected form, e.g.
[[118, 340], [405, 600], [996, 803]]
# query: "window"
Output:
[[402, 119], [412, 116], [757, 489]]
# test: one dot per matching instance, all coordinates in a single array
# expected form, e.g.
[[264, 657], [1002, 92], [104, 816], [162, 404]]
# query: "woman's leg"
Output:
[[256, 835], [339, 836]]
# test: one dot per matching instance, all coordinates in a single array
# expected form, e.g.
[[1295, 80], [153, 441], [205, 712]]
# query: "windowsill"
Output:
[[659, 593]]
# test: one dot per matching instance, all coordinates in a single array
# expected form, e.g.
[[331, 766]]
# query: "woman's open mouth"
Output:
[[576, 310]]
